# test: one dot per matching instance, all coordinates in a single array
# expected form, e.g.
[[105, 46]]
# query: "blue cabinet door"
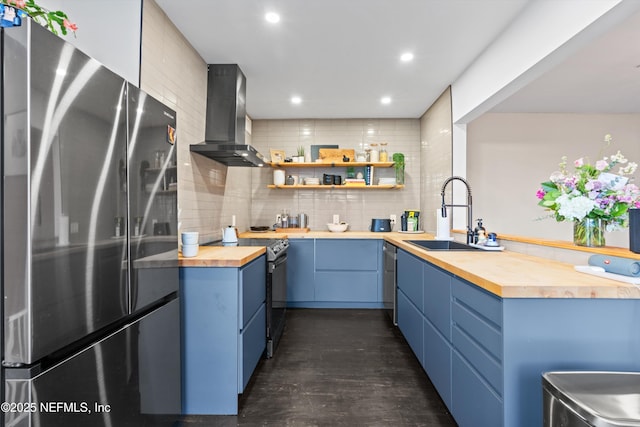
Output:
[[410, 322], [348, 254], [437, 361], [474, 402], [347, 286], [437, 298], [300, 270], [348, 273], [253, 288], [410, 278], [252, 343]]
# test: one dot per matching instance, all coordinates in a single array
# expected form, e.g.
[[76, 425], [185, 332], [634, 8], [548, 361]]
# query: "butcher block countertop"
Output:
[[505, 274], [222, 256]]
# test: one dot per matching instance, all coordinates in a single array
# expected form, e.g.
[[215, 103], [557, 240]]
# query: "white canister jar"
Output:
[[278, 177], [374, 155]]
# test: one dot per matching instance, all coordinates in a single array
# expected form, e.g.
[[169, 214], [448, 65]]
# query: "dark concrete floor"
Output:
[[339, 368]]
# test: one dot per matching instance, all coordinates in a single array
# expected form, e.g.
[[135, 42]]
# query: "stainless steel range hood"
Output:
[[225, 120]]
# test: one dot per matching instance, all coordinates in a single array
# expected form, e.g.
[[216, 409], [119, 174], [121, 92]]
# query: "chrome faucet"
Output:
[[470, 235]]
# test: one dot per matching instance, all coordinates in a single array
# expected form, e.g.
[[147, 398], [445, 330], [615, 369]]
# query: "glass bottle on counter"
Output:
[[384, 157]]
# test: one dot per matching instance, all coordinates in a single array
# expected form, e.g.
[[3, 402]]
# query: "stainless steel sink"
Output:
[[442, 245]]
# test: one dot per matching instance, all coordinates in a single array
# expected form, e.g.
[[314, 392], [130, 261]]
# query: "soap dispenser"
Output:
[[479, 233]]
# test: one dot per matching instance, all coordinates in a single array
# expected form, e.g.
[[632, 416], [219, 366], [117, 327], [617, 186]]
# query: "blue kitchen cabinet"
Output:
[[411, 301], [411, 323], [437, 329], [424, 309], [477, 372], [224, 334], [409, 278], [300, 272], [335, 273], [485, 354]]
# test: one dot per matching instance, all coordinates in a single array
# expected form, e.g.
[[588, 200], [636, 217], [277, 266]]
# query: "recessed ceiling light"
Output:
[[385, 100], [272, 17], [296, 100], [406, 57]]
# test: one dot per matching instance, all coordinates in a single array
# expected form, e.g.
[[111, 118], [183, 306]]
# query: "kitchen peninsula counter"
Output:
[[505, 274]]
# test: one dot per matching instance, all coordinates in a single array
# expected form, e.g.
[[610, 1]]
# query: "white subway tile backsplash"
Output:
[[356, 206]]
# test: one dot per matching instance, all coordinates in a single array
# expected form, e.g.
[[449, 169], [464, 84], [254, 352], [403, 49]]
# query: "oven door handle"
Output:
[[277, 262]]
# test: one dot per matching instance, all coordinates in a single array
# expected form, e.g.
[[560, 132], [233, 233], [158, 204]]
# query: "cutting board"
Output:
[[335, 155], [292, 230]]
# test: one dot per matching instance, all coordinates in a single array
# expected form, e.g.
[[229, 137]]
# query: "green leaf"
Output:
[[549, 186]]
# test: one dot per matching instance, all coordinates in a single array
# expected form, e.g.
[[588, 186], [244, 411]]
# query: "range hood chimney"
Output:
[[225, 119]]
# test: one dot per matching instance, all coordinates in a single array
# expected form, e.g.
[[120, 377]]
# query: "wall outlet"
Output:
[[74, 227], [393, 218], [278, 219], [336, 219]]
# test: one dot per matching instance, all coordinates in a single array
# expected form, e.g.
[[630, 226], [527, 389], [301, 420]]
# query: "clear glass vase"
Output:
[[399, 174], [589, 232]]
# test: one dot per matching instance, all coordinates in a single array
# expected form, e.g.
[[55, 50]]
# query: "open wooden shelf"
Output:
[[330, 165], [336, 187]]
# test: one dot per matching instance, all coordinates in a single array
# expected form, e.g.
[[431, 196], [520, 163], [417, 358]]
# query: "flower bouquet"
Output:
[[13, 11], [592, 196]]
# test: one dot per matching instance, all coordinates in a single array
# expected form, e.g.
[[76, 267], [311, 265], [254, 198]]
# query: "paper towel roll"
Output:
[[63, 230], [443, 231]]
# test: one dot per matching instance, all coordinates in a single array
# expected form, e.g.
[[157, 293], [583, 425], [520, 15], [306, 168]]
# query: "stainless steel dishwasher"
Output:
[[591, 399], [389, 281]]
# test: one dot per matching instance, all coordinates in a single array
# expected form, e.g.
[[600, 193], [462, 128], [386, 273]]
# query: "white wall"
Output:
[[436, 160], [108, 30], [511, 154], [545, 34]]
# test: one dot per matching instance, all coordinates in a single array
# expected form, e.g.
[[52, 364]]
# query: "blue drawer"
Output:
[[437, 299], [410, 322], [437, 361], [348, 254], [474, 403], [485, 305], [253, 288], [477, 328], [488, 367], [252, 343], [409, 276], [346, 286]]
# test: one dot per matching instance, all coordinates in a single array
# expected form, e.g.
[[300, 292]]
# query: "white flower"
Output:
[[612, 181], [556, 177], [630, 169], [618, 158], [575, 208]]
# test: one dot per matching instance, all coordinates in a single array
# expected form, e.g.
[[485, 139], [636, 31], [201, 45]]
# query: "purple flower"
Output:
[[540, 193], [593, 185]]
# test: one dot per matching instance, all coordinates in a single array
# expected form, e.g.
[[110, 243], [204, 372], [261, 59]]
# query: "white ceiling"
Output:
[[342, 56], [603, 77]]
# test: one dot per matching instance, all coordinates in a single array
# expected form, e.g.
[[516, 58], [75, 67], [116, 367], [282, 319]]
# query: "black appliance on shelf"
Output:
[[276, 275], [91, 316]]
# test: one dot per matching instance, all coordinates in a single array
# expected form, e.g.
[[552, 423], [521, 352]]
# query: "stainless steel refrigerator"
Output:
[[89, 242]]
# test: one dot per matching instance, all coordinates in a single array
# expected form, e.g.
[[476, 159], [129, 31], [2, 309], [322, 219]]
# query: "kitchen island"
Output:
[[486, 325]]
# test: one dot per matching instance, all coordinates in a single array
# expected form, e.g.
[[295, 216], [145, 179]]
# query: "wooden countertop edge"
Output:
[[572, 284], [215, 256]]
